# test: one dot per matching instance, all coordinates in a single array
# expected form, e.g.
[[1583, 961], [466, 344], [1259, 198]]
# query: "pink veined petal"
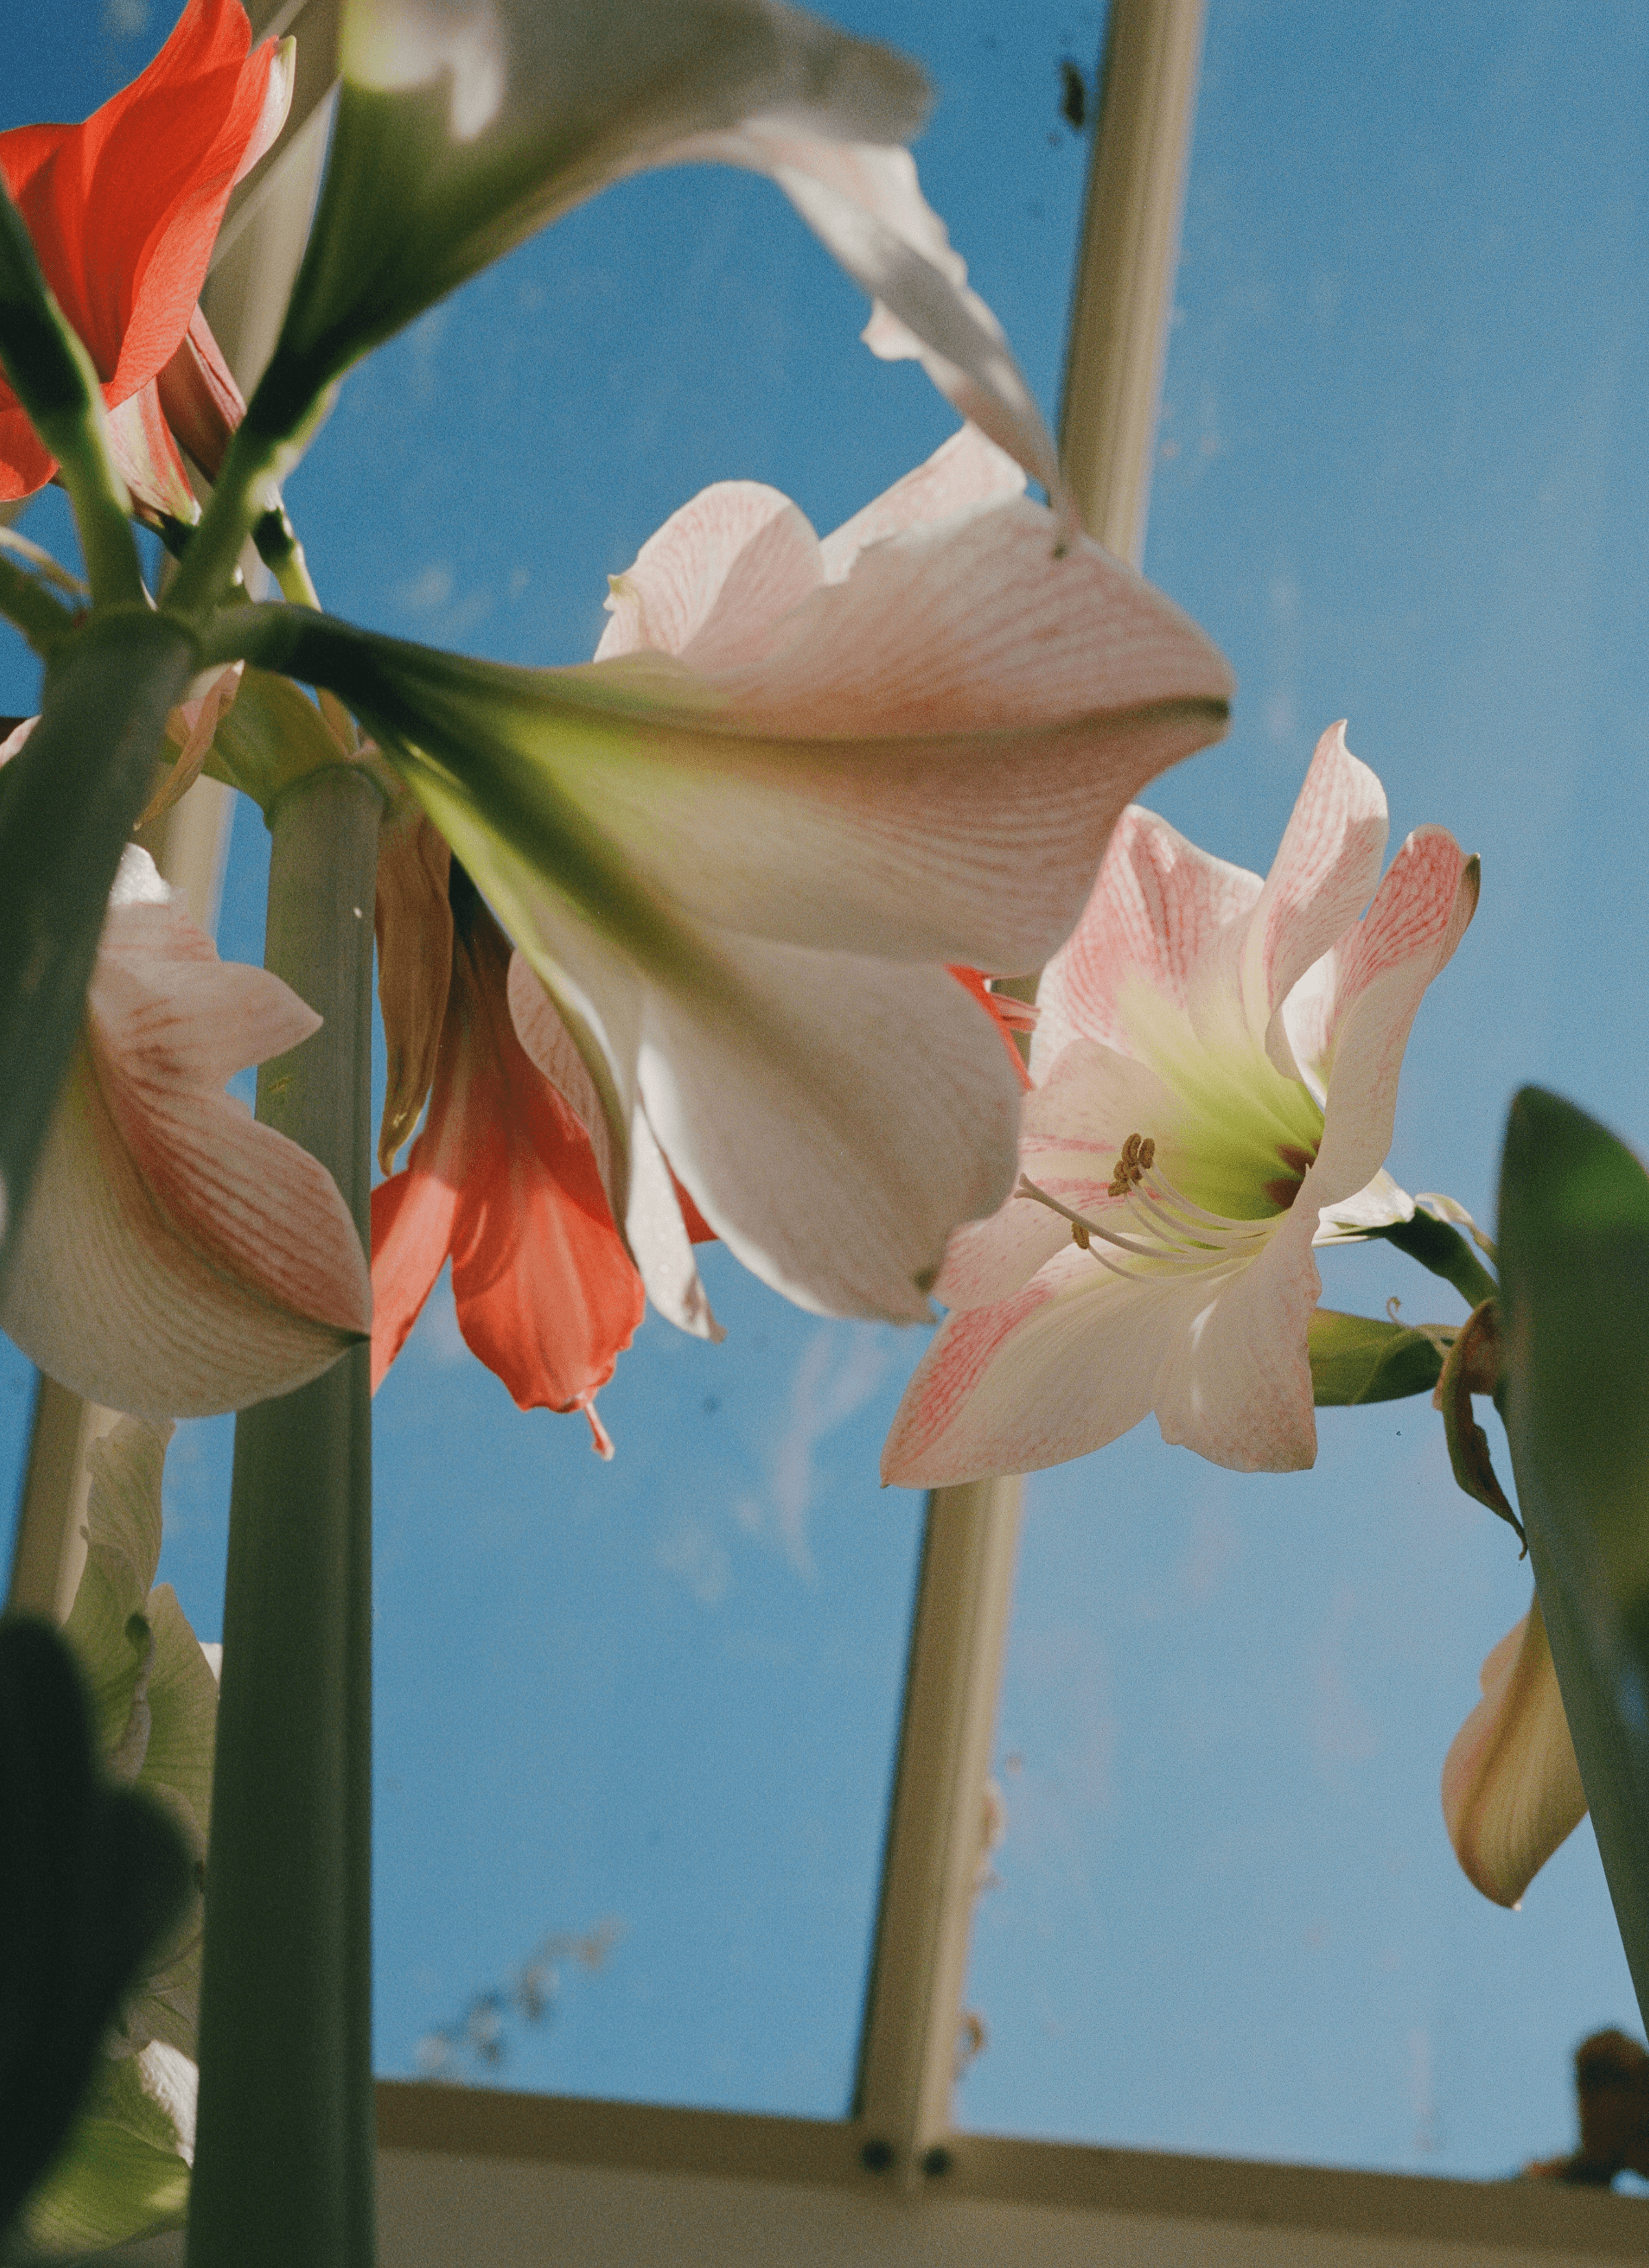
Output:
[[1072, 1129], [1417, 916], [930, 762], [1157, 903], [1065, 1365], [198, 395], [1512, 1789], [834, 1124], [666, 598], [1235, 1386], [141, 443], [966, 470], [128, 1294], [1323, 876]]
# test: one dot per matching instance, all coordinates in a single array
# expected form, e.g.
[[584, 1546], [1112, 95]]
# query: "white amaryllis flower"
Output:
[[177, 1258], [1216, 1064], [1512, 1789], [740, 849]]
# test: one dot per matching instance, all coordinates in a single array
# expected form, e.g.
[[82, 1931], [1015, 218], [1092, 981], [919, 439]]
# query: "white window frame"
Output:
[[467, 2175]]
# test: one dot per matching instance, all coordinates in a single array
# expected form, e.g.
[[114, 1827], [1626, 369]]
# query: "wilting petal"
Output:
[[654, 1229], [545, 1293], [864, 205], [414, 923], [460, 130], [1512, 1788], [177, 1257], [1157, 905], [124, 210]]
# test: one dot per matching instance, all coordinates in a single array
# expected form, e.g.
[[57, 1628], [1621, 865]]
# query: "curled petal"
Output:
[[202, 403], [177, 1257], [1512, 1788], [504, 1176], [966, 470]]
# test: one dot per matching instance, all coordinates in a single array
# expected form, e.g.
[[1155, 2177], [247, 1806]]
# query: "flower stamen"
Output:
[[1132, 1166]]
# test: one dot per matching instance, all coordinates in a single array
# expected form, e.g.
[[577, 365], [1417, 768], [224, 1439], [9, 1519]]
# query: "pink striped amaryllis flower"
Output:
[[177, 1258], [124, 210], [1512, 1789], [503, 1179], [1216, 1063], [799, 781]]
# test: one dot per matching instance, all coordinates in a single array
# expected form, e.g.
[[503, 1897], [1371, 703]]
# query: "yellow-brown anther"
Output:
[[1132, 1166]]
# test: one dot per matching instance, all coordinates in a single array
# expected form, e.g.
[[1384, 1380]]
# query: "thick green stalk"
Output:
[[283, 2174]]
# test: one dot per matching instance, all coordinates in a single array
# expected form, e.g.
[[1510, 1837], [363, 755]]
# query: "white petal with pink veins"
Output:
[[178, 1259], [835, 1121]]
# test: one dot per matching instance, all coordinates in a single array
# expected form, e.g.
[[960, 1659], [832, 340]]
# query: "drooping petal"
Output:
[[836, 1123], [545, 1293], [864, 204], [1376, 1206], [178, 1258], [1156, 907], [1418, 915], [412, 1214], [654, 1226], [124, 210], [1512, 1788], [143, 448]]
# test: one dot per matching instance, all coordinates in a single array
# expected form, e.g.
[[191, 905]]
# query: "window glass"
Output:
[[1401, 478], [634, 1724]]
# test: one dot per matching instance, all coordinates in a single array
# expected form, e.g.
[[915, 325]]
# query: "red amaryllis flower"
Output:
[[504, 1176], [124, 210]]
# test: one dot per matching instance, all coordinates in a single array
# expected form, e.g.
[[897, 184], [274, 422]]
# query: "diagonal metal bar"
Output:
[[938, 1832]]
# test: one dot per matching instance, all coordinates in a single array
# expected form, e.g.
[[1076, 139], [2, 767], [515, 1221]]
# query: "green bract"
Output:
[[1361, 1358], [1575, 1251]]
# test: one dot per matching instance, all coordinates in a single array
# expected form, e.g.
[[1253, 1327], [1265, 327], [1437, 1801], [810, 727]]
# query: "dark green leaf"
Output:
[[91, 1876], [1574, 1252], [1358, 1359], [67, 804]]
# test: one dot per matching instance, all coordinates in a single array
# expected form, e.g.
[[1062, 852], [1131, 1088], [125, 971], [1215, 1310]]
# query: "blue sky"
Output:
[[1400, 478]]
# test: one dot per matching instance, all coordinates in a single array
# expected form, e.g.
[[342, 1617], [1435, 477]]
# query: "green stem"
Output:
[[68, 802], [1445, 1251], [53, 377], [244, 491], [282, 555], [25, 601], [286, 2165]]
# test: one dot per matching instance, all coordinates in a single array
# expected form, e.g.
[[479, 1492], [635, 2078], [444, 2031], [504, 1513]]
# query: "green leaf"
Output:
[[68, 802], [1358, 1359], [122, 2173], [91, 1877], [1574, 1254]]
